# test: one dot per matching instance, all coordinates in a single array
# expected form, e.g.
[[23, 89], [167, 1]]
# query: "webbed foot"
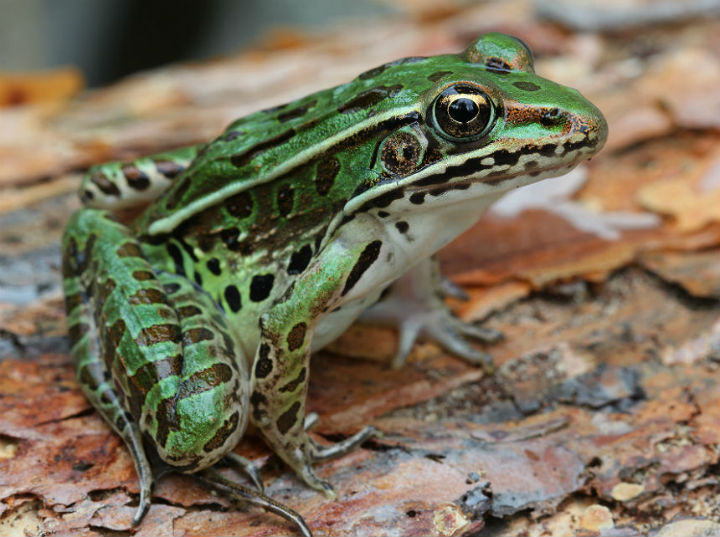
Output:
[[416, 307]]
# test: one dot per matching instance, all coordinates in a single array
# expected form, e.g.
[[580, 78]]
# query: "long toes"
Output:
[[246, 467], [310, 478], [408, 333], [451, 289], [481, 333], [141, 510], [456, 344], [311, 418], [321, 453]]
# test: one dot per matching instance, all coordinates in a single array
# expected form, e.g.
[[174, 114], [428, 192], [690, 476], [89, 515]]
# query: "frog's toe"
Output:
[[247, 468], [311, 419], [308, 475], [142, 508], [453, 340], [321, 453], [408, 331], [481, 333], [450, 289]]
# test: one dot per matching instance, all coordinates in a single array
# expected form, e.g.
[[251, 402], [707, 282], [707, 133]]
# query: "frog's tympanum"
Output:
[[263, 245]]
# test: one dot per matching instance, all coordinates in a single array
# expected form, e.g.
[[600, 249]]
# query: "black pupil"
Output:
[[463, 110]]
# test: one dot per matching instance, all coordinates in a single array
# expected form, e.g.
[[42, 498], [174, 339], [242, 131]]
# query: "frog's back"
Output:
[[275, 142]]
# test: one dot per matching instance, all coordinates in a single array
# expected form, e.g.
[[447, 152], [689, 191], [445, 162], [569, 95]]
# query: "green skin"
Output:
[[265, 244]]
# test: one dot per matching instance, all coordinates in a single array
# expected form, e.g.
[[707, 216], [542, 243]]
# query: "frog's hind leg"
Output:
[[117, 185], [92, 372], [151, 350]]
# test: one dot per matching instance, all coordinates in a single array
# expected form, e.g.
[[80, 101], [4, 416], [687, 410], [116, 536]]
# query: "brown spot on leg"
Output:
[[293, 384], [296, 337], [288, 418], [106, 186], [147, 296], [264, 365], [157, 333], [196, 335], [135, 177]]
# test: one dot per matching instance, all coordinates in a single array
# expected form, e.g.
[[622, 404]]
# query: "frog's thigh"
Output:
[[280, 370], [163, 348], [203, 410]]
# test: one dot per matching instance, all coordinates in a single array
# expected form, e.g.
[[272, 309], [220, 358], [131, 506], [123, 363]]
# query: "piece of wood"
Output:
[[603, 417]]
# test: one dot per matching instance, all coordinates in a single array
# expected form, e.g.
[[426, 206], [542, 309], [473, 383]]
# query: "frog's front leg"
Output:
[[416, 306], [281, 367]]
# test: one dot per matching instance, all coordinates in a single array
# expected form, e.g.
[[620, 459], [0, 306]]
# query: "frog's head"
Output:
[[486, 125]]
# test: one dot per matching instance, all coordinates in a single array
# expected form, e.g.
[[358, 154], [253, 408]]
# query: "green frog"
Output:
[[262, 246]]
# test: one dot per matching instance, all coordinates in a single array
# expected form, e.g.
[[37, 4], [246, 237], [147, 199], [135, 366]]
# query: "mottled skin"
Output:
[[266, 243]]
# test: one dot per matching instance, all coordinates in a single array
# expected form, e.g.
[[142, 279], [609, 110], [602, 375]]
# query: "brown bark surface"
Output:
[[603, 417]]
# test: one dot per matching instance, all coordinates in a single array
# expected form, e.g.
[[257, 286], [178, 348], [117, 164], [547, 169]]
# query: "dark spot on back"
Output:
[[285, 199], [232, 297], [325, 175], [241, 159], [296, 112], [372, 73], [417, 198], [213, 265], [369, 98], [260, 287], [177, 258], [299, 260], [232, 135], [240, 205], [402, 226], [526, 86], [438, 75]]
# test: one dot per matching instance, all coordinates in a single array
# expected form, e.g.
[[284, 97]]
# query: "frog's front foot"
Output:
[[301, 458], [415, 305]]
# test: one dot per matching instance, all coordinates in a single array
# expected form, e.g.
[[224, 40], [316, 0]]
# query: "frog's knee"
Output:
[[195, 429]]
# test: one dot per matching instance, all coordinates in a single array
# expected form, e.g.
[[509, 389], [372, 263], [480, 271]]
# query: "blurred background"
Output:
[[112, 38]]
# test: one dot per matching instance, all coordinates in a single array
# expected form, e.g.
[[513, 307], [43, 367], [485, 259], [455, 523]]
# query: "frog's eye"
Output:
[[463, 112]]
